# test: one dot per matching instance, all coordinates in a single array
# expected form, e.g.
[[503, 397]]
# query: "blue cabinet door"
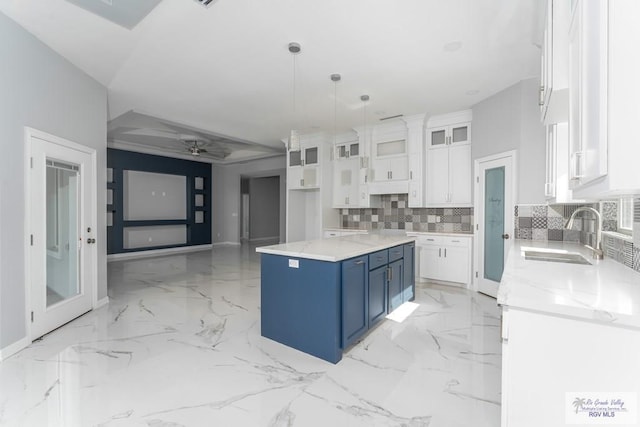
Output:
[[377, 295], [395, 284], [355, 290], [409, 277]]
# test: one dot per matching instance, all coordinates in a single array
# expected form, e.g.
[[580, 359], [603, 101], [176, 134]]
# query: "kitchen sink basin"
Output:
[[566, 257]]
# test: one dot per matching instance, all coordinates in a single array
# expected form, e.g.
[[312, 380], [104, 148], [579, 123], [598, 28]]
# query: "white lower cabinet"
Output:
[[550, 360], [445, 258]]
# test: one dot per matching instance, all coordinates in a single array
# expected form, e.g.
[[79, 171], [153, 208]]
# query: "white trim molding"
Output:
[[101, 302], [14, 348], [157, 252]]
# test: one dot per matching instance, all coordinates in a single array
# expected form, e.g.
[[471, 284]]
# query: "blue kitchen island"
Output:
[[320, 296]]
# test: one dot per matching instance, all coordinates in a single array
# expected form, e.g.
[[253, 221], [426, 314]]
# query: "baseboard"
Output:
[[14, 348], [157, 252], [262, 239], [227, 244], [101, 302]]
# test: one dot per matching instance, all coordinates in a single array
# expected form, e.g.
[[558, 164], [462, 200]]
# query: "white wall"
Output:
[[42, 90], [510, 120], [226, 195]]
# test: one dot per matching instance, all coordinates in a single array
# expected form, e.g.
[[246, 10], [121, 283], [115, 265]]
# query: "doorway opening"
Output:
[[260, 210]]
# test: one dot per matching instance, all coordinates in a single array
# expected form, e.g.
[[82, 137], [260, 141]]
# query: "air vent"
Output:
[[391, 117], [206, 3]]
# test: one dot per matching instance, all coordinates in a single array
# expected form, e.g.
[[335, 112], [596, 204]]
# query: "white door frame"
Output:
[[479, 206], [93, 267]]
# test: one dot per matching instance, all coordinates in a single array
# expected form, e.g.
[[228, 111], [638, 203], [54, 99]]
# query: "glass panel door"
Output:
[[438, 137], [62, 252], [494, 223], [62, 223], [295, 158], [311, 156], [460, 133]]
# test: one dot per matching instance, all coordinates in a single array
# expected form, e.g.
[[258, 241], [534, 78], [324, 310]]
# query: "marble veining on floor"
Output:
[[179, 345]]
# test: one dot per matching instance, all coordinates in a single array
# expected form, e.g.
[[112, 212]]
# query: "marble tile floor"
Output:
[[179, 345]]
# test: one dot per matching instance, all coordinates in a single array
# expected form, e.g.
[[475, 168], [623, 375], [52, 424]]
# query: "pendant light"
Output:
[[335, 78], [294, 136]]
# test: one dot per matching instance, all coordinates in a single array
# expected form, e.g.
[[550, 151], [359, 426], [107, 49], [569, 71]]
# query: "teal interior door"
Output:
[[494, 199]]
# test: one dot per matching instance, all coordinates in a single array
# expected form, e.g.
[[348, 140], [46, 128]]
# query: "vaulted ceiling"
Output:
[[225, 69]]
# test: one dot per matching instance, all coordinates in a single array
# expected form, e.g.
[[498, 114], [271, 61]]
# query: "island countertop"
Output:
[[336, 248], [606, 291]]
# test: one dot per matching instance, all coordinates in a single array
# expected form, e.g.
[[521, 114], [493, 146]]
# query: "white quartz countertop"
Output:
[[336, 248], [606, 291]]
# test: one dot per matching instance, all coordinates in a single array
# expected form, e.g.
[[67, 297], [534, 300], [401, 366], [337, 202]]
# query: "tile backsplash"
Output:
[[547, 222], [394, 214]]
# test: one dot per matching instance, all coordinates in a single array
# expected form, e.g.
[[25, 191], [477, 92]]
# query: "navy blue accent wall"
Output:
[[121, 160]]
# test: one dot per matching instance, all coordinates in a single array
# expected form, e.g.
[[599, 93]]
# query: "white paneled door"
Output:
[[62, 216]]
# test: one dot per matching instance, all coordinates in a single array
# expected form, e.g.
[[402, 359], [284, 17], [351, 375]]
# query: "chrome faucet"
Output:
[[597, 251]]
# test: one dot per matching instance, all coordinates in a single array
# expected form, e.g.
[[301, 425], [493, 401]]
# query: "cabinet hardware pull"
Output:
[[302, 182], [431, 240], [445, 252], [410, 174], [359, 262], [455, 241], [439, 252]]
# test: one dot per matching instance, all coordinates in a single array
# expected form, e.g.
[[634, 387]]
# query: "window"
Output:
[[625, 215]]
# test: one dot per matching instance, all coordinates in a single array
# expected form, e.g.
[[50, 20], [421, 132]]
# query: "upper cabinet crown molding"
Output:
[[450, 118]]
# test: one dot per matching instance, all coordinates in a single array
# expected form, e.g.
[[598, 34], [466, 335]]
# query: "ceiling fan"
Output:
[[193, 147]]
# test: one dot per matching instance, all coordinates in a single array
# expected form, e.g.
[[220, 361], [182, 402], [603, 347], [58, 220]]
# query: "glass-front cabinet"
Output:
[[448, 135], [303, 168]]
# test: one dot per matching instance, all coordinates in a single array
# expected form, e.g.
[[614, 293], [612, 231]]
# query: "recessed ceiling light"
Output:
[[453, 46], [473, 92]]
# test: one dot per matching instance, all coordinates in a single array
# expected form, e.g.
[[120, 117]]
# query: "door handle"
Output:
[[505, 236], [90, 240]]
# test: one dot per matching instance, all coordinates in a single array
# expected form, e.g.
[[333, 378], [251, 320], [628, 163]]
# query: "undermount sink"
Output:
[[566, 257]]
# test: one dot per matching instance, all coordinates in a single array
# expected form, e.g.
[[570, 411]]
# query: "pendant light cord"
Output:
[[294, 91], [335, 111]]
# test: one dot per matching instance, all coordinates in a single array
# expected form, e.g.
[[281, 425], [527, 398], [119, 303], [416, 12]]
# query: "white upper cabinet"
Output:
[[604, 89], [345, 183], [556, 188], [449, 174], [346, 150], [389, 168], [415, 141], [390, 160], [441, 136], [303, 167], [346, 172], [554, 74]]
